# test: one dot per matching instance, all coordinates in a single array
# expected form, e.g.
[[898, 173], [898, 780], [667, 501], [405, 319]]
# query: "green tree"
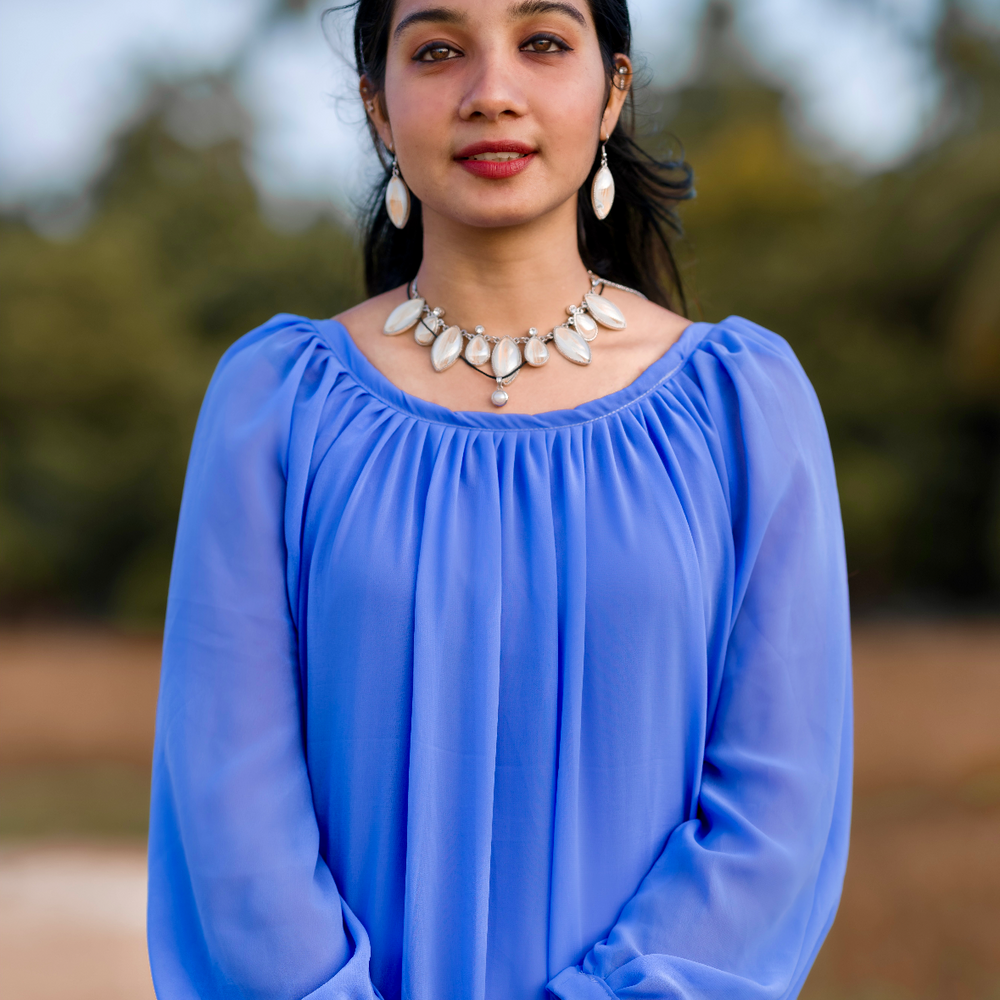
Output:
[[887, 288], [107, 342]]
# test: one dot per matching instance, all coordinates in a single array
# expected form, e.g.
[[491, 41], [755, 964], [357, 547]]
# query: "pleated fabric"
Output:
[[478, 705]]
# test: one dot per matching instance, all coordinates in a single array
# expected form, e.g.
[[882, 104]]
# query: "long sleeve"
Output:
[[743, 893], [241, 902]]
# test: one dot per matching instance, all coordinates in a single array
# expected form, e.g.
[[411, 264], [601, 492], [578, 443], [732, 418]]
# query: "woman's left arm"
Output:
[[738, 903]]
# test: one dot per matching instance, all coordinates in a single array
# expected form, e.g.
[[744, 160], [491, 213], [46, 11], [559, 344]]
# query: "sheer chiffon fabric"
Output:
[[468, 706]]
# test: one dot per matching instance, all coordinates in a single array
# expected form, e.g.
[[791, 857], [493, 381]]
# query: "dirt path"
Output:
[[920, 914], [72, 923]]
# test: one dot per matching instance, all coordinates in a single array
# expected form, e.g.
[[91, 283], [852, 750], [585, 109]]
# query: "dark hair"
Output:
[[631, 246]]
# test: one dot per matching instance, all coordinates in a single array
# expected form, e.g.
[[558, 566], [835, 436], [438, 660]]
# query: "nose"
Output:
[[493, 89]]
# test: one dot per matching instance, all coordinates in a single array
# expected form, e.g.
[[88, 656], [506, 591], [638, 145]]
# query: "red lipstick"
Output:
[[495, 169]]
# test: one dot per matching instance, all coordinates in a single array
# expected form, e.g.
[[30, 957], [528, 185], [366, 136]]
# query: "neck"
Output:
[[509, 278]]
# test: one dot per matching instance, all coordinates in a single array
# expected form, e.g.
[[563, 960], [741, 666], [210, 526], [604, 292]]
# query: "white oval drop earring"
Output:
[[397, 198], [602, 192]]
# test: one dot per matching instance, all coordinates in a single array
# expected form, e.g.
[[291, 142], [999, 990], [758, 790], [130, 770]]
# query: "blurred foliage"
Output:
[[886, 286], [888, 289], [107, 342]]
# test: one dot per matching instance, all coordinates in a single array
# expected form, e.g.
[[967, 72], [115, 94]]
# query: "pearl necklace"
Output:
[[571, 338]]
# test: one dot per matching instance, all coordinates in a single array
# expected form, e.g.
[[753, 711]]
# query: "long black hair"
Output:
[[631, 246]]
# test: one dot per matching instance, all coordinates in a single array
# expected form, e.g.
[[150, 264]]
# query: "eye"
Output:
[[436, 52], [545, 44]]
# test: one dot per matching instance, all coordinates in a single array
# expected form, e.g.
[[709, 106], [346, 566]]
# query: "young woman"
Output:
[[507, 652]]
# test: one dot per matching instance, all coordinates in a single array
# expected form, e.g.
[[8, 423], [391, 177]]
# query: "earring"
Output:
[[397, 198], [602, 192]]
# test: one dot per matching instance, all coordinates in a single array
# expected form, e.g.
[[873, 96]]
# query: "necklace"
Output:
[[571, 338]]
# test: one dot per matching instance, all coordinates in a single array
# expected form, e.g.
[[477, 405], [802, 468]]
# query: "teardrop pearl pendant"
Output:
[[602, 191], [397, 198]]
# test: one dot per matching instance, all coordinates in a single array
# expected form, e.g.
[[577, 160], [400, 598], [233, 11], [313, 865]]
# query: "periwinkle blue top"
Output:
[[464, 706]]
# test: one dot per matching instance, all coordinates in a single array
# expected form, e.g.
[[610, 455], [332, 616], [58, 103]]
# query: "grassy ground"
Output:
[[96, 799], [920, 916]]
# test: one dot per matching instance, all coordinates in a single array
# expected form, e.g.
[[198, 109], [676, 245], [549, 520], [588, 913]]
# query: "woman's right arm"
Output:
[[241, 902]]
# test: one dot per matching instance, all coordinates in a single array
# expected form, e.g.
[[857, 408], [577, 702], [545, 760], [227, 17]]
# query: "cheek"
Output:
[[421, 116], [570, 118]]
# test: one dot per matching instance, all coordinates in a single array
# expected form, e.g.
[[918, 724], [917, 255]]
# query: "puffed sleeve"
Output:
[[241, 902], [743, 893]]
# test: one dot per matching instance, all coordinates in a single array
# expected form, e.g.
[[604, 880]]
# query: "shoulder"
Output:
[[759, 400], [258, 382], [740, 341], [742, 356], [273, 357], [268, 351]]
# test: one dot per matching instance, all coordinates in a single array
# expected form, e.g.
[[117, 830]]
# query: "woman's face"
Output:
[[495, 107]]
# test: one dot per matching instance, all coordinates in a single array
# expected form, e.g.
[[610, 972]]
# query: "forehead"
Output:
[[475, 13]]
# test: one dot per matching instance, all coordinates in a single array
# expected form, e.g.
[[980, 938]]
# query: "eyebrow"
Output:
[[517, 11], [439, 15], [532, 8]]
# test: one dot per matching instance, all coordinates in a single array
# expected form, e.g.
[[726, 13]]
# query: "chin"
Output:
[[505, 219], [497, 211]]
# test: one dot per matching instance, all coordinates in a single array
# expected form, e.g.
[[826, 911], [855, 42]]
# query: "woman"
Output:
[[476, 689]]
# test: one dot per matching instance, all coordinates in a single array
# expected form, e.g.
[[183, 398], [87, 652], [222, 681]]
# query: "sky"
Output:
[[862, 76]]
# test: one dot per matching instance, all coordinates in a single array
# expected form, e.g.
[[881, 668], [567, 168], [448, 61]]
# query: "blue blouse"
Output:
[[468, 706]]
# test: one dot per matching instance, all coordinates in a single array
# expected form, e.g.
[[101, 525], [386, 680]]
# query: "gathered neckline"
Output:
[[338, 338]]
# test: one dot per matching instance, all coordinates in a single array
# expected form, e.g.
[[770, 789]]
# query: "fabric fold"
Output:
[[456, 673]]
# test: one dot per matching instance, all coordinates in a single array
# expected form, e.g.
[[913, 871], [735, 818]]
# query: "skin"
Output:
[[502, 253]]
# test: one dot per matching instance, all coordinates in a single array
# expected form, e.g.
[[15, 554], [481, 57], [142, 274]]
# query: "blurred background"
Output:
[[171, 175]]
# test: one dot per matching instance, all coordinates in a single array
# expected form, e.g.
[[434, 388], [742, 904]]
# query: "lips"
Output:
[[495, 159]]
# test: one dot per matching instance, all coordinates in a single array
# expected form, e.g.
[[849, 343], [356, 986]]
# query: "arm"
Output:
[[739, 901], [241, 903]]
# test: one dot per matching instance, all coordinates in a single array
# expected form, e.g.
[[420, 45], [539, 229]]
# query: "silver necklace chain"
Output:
[[437, 312], [508, 355]]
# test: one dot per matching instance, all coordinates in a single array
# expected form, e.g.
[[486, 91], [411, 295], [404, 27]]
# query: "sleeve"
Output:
[[743, 894], [241, 901]]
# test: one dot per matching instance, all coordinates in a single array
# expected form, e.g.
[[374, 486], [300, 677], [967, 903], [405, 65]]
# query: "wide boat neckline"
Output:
[[339, 340]]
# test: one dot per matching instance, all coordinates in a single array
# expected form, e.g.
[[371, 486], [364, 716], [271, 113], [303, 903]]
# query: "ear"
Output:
[[621, 83], [375, 110]]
